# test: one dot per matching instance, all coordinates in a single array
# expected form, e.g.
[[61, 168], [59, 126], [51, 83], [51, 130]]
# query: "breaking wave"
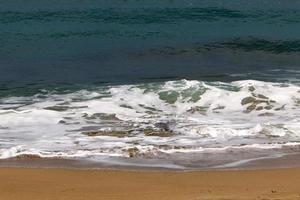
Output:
[[151, 120]]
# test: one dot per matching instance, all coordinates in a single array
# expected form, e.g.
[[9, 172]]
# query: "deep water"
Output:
[[84, 42]]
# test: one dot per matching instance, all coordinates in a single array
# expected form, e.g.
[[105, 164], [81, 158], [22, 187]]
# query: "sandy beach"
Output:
[[67, 184]]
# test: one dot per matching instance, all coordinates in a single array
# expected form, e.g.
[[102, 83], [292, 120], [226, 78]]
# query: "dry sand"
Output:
[[71, 184]]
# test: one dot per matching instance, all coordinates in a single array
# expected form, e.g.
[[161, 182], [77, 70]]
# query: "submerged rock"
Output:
[[251, 88], [250, 108], [169, 96], [259, 108], [133, 152], [267, 114], [102, 116], [3, 127], [28, 156], [262, 96], [57, 108], [200, 109], [159, 133], [62, 108], [67, 123], [106, 133], [126, 106], [62, 122], [280, 108], [150, 108], [253, 100], [219, 108], [269, 107], [162, 126], [248, 100], [257, 102]]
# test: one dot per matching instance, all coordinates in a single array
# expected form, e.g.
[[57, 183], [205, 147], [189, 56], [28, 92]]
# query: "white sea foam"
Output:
[[202, 115]]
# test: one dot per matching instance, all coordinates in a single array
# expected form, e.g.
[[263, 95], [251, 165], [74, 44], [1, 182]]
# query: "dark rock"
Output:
[[57, 108], [28, 156], [267, 114], [102, 116], [251, 88], [280, 108], [262, 96], [251, 108], [162, 126], [255, 101], [259, 101], [159, 133], [133, 152], [107, 133], [248, 100], [269, 107], [126, 106], [63, 108], [219, 108], [259, 108], [200, 109]]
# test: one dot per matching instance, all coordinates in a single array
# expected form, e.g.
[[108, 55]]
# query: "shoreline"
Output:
[[264, 163], [31, 184]]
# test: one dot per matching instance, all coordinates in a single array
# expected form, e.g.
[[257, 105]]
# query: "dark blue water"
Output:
[[91, 42]]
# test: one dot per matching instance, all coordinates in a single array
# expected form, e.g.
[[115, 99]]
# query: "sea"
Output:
[[157, 83]]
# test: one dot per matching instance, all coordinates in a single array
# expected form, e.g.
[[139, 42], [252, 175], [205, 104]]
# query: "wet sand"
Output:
[[73, 184], [35, 178], [285, 161]]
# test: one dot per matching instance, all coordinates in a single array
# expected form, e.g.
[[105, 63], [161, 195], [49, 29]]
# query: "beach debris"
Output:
[[273, 191]]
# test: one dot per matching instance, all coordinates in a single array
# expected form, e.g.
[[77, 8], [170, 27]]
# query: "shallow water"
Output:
[[184, 117]]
